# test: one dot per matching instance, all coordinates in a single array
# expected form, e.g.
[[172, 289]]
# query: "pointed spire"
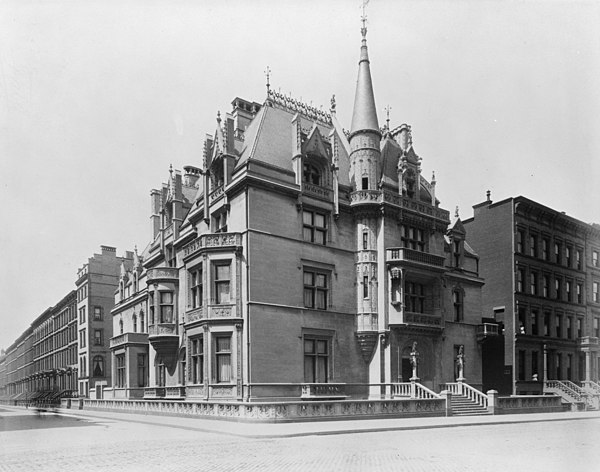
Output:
[[364, 116]]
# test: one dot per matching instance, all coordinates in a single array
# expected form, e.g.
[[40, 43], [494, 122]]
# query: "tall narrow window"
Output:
[[365, 240], [142, 370], [413, 238], [568, 290], [98, 362], [316, 360], [223, 358], [365, 287], [558, 326], [458, 305], [568, 252], [314, 227], [142, 327], [545, 249], [134, 319], [98, 337], [521, 365], [166, 307], [546, 323], [558, 288], [520, 240], [120, 326], [597, 327], [316, 289], [151, 308], [456, 253], [557, 253], [121, 370], [222, 272], [595, 259], [569, 327], [596, 292], [534, 322], [160, 372], [195, 280], [365, 183], [197, 360], [546, 286], [520, 280], [534, 363], [533, 283], [97, 313], [533, 245], [579, 327], [578, 258]]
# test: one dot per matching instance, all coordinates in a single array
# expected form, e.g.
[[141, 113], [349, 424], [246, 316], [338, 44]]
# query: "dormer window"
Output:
[[456, 252]]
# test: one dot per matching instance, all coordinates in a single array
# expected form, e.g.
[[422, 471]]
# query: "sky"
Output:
[[98, 98]]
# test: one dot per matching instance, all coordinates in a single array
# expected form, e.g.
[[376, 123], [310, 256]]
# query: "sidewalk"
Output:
[[315, 428]]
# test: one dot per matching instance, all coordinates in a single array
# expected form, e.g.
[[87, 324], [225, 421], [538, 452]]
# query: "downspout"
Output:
[[248, 356]]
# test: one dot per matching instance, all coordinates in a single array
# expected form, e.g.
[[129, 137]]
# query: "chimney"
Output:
[[191, 176]]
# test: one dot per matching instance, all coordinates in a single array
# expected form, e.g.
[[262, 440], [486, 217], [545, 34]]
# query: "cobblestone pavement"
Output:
[[120, 445]]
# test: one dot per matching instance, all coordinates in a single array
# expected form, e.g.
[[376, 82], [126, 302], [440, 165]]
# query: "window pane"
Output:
[[166, 313], [308, 278], [166, 297], [321, 299], [307, 218], [224, 368], [222, 272], [319, 220], [319, 236], [309, 369], [322, 347], [222, 292], [322, 369], [309, 346], [321, 280], [223, 344], [307, 234], [308, 298]]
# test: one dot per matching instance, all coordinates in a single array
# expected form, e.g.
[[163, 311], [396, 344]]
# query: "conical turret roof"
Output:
[[364, 116]]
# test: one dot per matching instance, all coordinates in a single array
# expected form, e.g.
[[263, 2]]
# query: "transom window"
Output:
[[316, 360], [195, 280], [311, 175], [222, 272], [315, 227], [316, 289], [223, 358]]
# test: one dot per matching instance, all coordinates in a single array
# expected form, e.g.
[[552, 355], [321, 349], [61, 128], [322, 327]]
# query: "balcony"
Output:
[[163, 337], [127, 339], [588, 341], [486, 330], [212, 241], [405, 256], [365, 197], [162, 274], [317, 191], [426, 320]]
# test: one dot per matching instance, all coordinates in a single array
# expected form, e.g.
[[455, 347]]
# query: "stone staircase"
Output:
[[463, 406]]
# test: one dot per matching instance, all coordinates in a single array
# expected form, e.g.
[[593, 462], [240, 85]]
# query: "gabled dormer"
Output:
[[456, 241], [312, 159]]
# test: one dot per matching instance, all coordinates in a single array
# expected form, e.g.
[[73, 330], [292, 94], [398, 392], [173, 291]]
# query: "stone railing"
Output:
[[316, 190], [162, 273], [523, 404], [591, 386], [320, 390], [217, 193], [129, 338], [175, 392], [162, 329], [212, 240], [196, 314], [422, 319], [154, 392], [565, 391], [588, 341], [412, 390], [461, 388], [277, 411], [365, 196], [403, 254], [416, 206], [488, 329]]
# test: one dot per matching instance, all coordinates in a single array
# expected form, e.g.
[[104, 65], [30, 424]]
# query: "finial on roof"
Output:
[[433, 177], [171, 169], [332, 107], [488, 195], [268, 74], [387, 120], [363, 18], [218, 117], [456, 212]]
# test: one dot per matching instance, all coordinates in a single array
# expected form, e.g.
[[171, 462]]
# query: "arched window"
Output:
[[134, 324], [98, 366], [142, 327]]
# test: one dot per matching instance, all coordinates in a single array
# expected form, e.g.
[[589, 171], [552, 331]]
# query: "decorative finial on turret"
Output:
[[219, 117], [268, 75], [332, 107], [433, 178], [171, 169], [363, 18], [456, 212], [387, 120]]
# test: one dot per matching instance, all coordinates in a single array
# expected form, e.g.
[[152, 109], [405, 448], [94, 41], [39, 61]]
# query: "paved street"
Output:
[[48, 442]]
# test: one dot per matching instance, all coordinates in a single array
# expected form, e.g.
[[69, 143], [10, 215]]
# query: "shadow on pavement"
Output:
[[41, 419]]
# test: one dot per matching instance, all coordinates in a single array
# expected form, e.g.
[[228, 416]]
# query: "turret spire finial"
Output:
[[456, 212], [363, 18], [387, 120], [268, 74]]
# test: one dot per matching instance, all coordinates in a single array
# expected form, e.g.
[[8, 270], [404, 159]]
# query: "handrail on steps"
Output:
[[462, 388]]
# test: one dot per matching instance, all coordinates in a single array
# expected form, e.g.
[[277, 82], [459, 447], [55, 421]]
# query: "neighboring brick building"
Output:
[[96, 283], [302, 261], [542, 275]]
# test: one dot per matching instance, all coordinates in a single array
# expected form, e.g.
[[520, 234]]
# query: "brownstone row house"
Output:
[[542, 273]]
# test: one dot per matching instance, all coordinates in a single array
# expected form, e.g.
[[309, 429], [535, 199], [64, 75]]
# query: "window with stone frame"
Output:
[[222, 350], [458, 304], [151, 307], [311, 174], [222, 282], [97, 313], [414, 297], [314, 227], [160, 371], [197, 360], [195, 287], [316, 289], [166, 306], [121, 371], [98, 366], [316, 359], [142, 370], [413, 238], [97, 337]]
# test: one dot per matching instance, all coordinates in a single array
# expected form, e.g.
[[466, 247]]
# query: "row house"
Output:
[[542, 282]]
